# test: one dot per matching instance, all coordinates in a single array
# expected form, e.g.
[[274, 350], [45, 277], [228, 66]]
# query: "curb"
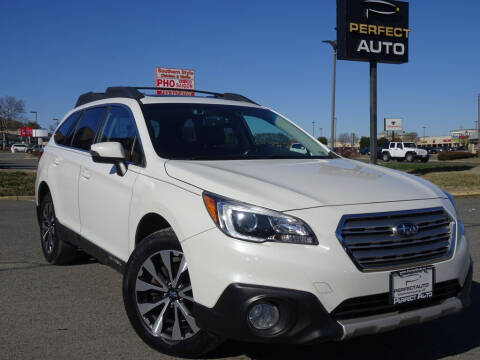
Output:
[[17, 197]]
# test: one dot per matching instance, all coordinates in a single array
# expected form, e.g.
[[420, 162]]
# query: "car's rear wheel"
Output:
[[158, 298], [386, 157], [55, 250]]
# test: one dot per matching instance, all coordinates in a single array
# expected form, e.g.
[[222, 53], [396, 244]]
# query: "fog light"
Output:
[[263, 316]]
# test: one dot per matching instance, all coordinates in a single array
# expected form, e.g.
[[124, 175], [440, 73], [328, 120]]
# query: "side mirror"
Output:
[[110, 153]]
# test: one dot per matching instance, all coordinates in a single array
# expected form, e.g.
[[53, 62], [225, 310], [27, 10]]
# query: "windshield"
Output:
[[218, 132], [410, 145]]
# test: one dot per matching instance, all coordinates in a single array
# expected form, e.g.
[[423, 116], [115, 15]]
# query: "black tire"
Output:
[[386, 156], [410, 157], [55, 250], [198, 343], [424, 160]]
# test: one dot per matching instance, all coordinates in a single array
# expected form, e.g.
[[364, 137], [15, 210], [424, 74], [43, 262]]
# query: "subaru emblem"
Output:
[[405, 229]]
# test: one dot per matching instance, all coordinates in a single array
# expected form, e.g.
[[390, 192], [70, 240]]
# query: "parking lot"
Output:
[[76, 312]]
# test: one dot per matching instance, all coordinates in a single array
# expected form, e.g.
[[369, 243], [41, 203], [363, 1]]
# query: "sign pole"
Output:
[[373, 112]]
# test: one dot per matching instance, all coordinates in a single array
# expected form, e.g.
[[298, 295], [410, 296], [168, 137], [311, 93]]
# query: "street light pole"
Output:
[[56, 121], [321, 132], [333, 44], [36, 115], [313, 128], [424, 127], [36, 120]]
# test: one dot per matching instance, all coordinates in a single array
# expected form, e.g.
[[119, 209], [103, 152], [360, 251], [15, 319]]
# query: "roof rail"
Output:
[[132, 92]]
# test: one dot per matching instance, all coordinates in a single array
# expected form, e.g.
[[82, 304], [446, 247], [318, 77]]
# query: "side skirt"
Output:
[[90, 248]]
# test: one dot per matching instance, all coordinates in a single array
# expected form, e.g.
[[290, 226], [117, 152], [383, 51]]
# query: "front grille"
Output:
[[373, 243], [380, 304]]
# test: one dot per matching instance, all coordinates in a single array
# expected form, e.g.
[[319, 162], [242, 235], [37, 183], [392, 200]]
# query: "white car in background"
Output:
[[18, 148], [223, 231]]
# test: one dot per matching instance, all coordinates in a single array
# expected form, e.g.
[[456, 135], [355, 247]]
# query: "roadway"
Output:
[[76, 312], [17, 161]]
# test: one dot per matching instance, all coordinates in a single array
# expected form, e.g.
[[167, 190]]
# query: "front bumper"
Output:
[[303, 319], [325, 272]]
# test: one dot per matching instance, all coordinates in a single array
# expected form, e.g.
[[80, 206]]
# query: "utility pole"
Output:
[[333, 44], [335, 130], [424, 127], [373, 112], [3, 126], [321, 132], [313, 128], [478, 123]]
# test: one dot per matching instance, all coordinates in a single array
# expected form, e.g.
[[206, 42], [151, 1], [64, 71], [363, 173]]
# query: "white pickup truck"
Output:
[[404, 151]]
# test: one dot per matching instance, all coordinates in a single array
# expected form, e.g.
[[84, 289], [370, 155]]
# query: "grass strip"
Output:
[[17, 183]]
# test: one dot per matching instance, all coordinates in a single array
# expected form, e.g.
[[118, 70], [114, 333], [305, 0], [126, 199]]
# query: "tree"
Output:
[[33, 124], [323, 140], [383, 142], [364, 142], [344, 138], [11, 115]]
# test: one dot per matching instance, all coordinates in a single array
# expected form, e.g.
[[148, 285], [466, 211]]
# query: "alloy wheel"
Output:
[[48, 227], [164, 296]]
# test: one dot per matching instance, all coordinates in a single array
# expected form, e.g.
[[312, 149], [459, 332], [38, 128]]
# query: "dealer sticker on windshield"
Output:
[[411, 285]]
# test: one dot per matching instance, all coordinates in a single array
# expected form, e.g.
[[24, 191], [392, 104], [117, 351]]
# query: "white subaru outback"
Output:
[[221, 230]]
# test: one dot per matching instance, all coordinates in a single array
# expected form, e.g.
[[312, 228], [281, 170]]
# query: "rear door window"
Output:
[[87, 128]]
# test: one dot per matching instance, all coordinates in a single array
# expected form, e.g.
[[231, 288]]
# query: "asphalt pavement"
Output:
[[17, 161], [76, 311]]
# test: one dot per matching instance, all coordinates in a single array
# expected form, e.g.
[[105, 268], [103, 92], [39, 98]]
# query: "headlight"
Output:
[[252, 223], [452, 199]]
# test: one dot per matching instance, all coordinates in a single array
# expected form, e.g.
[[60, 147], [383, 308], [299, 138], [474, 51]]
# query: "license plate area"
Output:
[[412, 285]]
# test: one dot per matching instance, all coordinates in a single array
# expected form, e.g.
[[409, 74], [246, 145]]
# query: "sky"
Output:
[[269, 51]]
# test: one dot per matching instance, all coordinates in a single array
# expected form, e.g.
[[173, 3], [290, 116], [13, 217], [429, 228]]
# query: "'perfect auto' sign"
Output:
[[182, 79], [373, 30]]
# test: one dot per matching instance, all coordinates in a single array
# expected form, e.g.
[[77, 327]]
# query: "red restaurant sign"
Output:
[[26, 131]]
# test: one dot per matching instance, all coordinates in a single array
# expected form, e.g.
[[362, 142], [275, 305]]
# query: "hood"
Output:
[[297, 184]]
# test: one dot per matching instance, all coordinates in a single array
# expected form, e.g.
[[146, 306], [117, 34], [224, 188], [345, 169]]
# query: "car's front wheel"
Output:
[[158, 298], [410, 157]]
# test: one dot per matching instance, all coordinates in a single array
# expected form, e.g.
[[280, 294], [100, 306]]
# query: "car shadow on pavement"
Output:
[[83, 259], [438, 339]]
